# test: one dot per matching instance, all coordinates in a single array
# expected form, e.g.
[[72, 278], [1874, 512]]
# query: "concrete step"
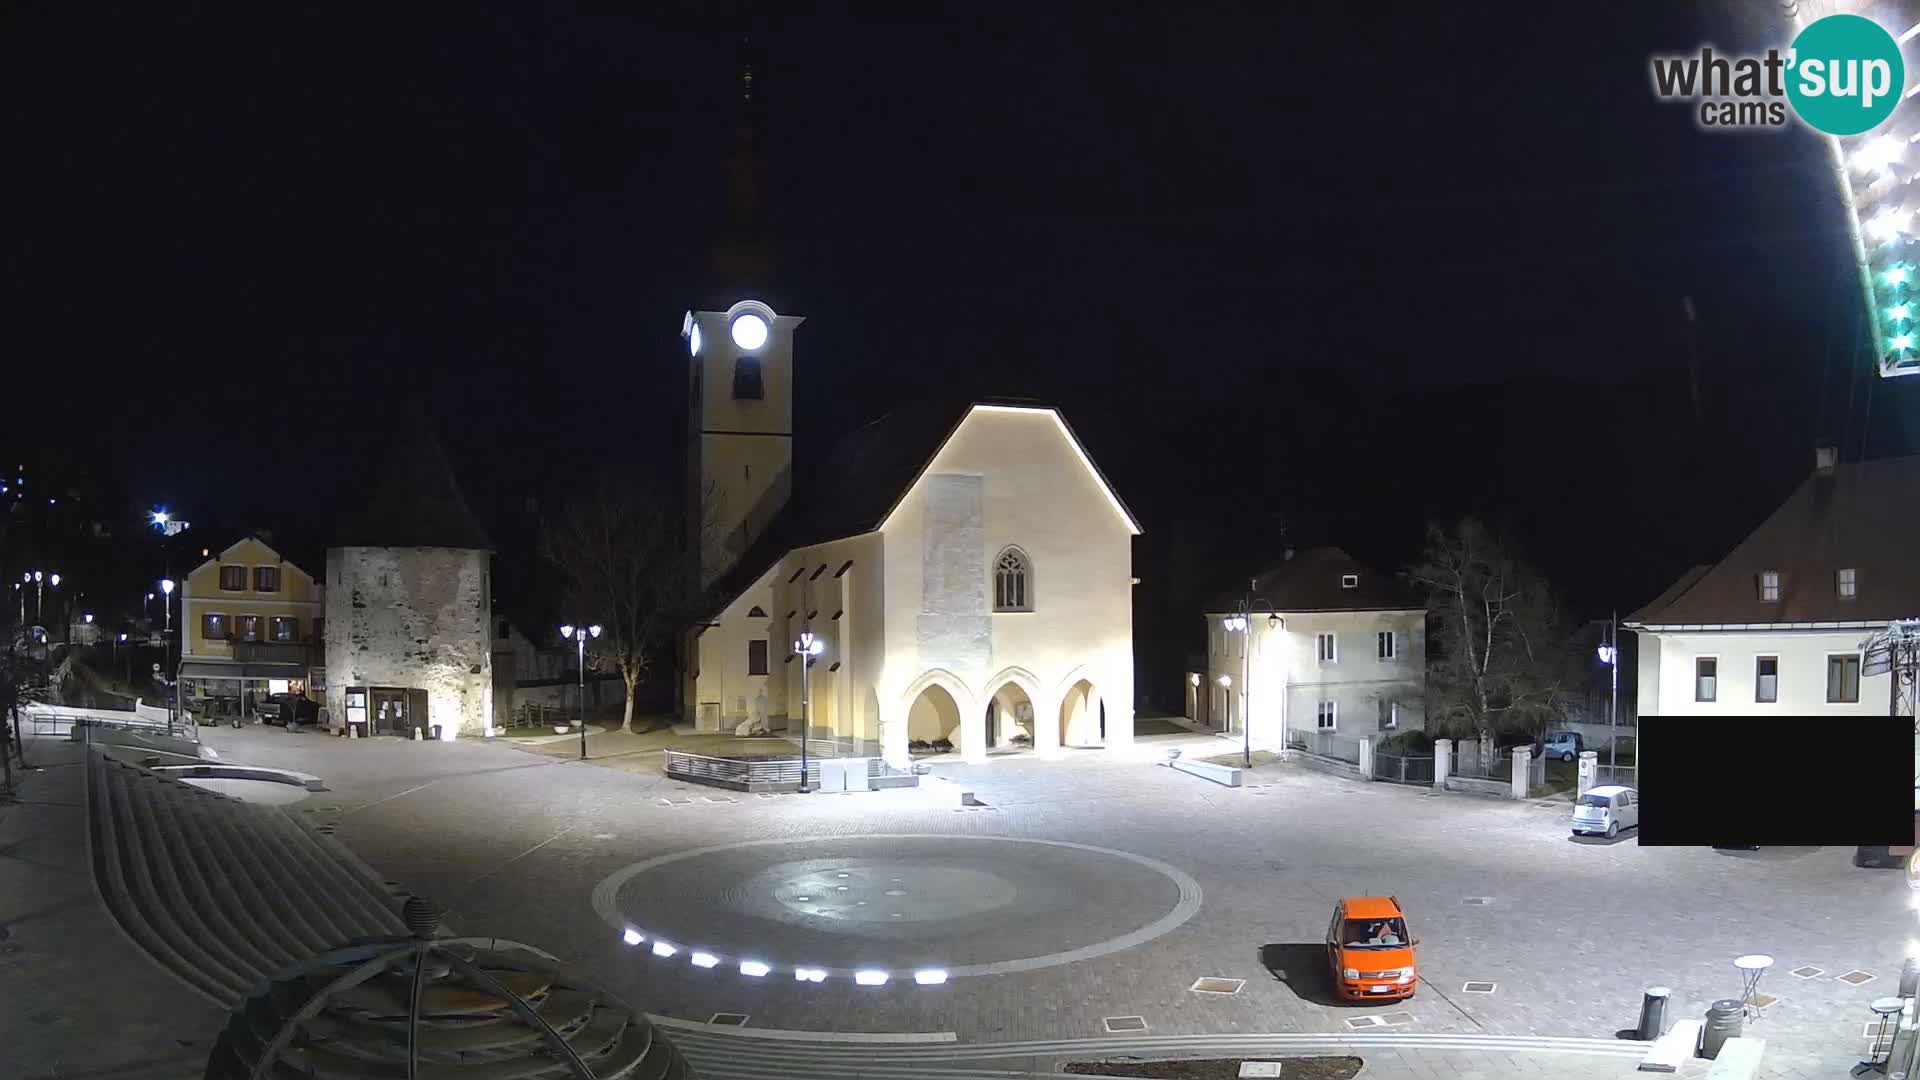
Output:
[[223, 893]]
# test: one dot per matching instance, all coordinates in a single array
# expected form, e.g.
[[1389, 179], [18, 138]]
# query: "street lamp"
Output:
[[579, 635], [1238, 623], [173, 703], [1610, 656], [806, 649]]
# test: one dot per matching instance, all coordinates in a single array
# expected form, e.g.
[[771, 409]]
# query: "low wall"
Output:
[[1325, 764], [1477, 786], [1225, 775]]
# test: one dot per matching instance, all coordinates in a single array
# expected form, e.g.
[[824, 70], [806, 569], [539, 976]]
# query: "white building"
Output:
[[967, 570], [1331, 650], [1778, 625]]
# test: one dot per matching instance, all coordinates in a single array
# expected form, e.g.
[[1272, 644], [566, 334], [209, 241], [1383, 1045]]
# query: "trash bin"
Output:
[[1653, 1013], [433, 732], [1724, 1021]]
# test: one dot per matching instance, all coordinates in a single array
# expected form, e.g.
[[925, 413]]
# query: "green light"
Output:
[[1897, 276], [1903, 342], [1899, 312]]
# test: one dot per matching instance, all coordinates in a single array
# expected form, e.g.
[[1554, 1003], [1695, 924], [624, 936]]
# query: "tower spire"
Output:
[[742, 259]]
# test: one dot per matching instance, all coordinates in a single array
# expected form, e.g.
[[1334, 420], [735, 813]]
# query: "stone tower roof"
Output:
[[413, 500]]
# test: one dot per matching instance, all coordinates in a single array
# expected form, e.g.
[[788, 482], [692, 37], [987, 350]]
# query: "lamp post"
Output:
[[806, 649], [166, 641], [579, 635], [1238, 623], [1610, 656]]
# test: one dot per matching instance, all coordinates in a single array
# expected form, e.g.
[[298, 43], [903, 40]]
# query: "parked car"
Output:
[[1565, 745], [1888, 858], [1606, 809], [1369, 952], [290, 710]]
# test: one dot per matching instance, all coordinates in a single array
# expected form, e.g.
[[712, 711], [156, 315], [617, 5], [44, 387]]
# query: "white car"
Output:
[[1606, 810]]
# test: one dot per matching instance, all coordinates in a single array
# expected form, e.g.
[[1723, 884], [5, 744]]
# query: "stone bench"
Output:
[[1227, 775]]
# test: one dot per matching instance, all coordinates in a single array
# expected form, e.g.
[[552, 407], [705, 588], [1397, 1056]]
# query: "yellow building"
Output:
[[251, 626]]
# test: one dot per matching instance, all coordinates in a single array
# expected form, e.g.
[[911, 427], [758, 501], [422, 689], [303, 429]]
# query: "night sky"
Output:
[[1341, 275]]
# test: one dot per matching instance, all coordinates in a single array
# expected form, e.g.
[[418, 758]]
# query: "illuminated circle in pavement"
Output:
[[882, 902]]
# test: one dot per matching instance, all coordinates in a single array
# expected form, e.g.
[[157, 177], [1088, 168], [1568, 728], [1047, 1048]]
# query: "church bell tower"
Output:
[[740, 373]]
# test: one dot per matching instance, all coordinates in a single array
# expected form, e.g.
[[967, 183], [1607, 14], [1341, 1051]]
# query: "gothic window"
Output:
[[746, 379], [1012, 581]]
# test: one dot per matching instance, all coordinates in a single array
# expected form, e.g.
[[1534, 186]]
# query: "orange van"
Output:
[[1369, 950]]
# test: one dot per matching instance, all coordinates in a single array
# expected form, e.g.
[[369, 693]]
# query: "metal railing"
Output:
[[1403, 768], [1326, 744], [1615, 774], [742, 772], [1470, 763], [62, 719]]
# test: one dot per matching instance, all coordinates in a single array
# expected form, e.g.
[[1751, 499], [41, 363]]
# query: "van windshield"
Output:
[[1374, 933], [1601, 801]]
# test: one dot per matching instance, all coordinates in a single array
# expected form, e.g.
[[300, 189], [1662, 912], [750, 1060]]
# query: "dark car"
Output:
[[290, 710]]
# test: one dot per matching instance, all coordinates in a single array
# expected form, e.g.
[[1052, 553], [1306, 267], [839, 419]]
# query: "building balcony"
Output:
[[277, 652]]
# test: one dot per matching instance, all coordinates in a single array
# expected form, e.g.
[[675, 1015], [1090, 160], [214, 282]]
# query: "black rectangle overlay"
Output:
[[1776, 781]]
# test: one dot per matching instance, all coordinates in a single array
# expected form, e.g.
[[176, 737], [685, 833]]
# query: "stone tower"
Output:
[[409, 600], [740, 371]]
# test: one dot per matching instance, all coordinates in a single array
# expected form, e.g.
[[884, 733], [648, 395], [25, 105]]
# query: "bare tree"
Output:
[[625, 554], [1506, 660]]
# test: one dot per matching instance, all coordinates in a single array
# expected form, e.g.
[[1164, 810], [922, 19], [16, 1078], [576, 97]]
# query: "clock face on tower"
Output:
[[749, 331]]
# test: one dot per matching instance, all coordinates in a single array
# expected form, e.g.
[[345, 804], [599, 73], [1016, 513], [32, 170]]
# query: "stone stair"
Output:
[[222, 893]]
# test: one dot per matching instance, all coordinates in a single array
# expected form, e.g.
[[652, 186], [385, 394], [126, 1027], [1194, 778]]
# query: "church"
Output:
[[952, 576]]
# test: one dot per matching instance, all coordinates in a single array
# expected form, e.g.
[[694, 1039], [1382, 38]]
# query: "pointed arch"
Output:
[[1012, 580]]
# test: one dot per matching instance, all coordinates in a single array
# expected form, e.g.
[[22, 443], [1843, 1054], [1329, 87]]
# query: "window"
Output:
[[1766, 679], [284, 628], [320, 630], [247, 627], [1387, 650], [1325, 649], [233, 578], [1847, 583], [1843, 679], [1770, 586], [746, 379], [1012, 581], [213, 627], [266, 579], [1327, 716], [1389, 715], [1349, 581], [757, 656], [1706, 672]]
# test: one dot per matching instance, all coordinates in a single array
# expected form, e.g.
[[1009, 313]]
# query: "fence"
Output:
[[62, 719], [1469, 761], [1332, 746], [1403, 768], [1617, 774], [745, 774]]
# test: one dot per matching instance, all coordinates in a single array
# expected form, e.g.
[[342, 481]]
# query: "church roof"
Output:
[[1315, 580], [414, 500], [1861, 517], [862, 480]]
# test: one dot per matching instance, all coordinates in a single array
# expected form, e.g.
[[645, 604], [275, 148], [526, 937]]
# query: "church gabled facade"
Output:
[[967, 570]]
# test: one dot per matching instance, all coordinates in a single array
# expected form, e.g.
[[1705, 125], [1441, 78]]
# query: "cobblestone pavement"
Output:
[[1569, 931]]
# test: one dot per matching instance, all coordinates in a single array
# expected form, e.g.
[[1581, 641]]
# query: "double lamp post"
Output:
[[1238, 623], [579, 635]]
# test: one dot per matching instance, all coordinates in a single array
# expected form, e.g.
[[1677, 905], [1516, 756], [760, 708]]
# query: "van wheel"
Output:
[[1613, 829], [1566, 757]]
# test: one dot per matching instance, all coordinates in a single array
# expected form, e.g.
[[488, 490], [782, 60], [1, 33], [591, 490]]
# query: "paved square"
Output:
[[1571, 931]]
